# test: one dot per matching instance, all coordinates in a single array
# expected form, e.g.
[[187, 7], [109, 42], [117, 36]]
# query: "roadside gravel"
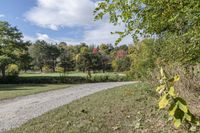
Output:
[[15, 112]]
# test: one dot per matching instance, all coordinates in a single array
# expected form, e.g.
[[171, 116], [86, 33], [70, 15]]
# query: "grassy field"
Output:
[[78, 74], [129, 109], [12, 91]]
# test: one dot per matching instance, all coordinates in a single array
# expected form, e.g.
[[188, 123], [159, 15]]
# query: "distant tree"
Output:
[[25, 58], [106, 64], [11, 46], [38, 53], [121, 53], [52, 54], [121, 64], [66, 59], [106, 48], [85, 60]]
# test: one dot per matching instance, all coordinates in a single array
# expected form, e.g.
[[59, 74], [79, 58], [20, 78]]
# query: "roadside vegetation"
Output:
[[130, 108], [170, 44]]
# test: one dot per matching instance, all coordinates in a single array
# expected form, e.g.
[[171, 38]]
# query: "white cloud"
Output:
[[44, 37], [39, 36], [55, 14], [29, 38], [61, 13], [102, 34], [2, 15]]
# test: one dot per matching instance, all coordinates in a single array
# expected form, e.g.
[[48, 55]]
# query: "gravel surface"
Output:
[[15, 112]]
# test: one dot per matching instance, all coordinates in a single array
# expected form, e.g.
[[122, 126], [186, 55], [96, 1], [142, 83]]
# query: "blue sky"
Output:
[[58, 20]]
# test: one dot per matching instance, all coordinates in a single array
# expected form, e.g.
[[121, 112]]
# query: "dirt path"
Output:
[[15, 112]]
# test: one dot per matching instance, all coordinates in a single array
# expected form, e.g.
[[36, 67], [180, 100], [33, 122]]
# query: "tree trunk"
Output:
[[65, 69], [3, 71], [41, 69], [54, 65], [103, 71]]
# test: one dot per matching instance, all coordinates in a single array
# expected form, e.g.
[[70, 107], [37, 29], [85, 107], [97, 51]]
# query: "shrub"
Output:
[[12, 70], [62, 79], [46, 68]]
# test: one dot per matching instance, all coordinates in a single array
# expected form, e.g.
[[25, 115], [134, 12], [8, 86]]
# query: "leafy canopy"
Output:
[[148, 17]]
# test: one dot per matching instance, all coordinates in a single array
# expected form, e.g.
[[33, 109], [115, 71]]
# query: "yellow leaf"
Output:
[[188, 117], [182, 105], [176, 78], [172, 109], [172, 91], [164, 101]]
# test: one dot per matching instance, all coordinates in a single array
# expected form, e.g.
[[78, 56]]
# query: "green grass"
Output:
[[13, 90], [131, 108], [78, 74]]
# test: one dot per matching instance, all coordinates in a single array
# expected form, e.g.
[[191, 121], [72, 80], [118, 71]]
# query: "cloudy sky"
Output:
[[58, 20]]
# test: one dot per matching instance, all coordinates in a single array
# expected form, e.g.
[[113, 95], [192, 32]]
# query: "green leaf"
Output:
[[182, 104], [188, 117], [177, 123], [178, 117], [164, 101], [172, 91], [172, 109]]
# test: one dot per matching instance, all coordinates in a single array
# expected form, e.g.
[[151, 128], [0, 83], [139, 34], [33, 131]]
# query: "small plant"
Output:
[[12, 70], [177, 107]]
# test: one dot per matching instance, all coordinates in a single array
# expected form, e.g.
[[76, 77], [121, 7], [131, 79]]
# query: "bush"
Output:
[[61, 79], [59, 69], [46, 69], [12, 70]]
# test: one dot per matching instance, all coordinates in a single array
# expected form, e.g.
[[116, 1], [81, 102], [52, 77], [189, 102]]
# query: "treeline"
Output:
[[17, 55], [62, 57]]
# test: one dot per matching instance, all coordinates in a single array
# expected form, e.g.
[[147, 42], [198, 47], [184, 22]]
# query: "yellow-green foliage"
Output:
[[46, 68], [178, 108], [59, 69], [12, 70]]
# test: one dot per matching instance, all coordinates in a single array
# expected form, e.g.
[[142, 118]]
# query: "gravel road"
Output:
[[15, 112]]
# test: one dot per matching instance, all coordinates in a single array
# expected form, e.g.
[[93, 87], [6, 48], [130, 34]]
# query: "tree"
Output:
[[38, 53], [25, 58], [66, 60], [143, 57], [86, 60], [52, 54], [149, 17], [11, 45]]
